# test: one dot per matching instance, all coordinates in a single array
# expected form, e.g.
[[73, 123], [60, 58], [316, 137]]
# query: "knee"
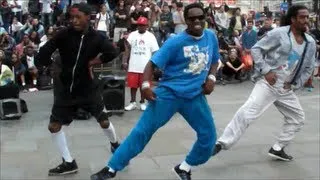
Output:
[[104, 124], [103, 120], [301, 119], [54, 127], [208, 140]]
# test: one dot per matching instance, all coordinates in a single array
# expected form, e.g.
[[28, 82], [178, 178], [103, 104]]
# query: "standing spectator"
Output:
[[138, 12], [222, 21], [211, 12], [34, 8], [46, 12], [166, 24], [5, 11], [178, 19], [145, 8], [249, 37], [173, 7], [267, 26], [16, 8], [140, 46], [155, 20], [121, 16], [102, 22], [237, 22]]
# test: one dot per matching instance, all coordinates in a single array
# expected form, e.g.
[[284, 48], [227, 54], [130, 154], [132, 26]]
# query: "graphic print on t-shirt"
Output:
[[199, 59], [293, 60], [139, 47]]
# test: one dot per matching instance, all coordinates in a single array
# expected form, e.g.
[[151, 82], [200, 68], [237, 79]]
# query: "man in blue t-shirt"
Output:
[[189, 61]]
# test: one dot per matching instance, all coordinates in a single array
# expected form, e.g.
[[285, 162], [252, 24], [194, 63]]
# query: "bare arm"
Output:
[[126, 54]]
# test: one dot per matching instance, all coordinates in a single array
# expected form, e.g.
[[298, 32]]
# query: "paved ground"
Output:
[[27, 151]]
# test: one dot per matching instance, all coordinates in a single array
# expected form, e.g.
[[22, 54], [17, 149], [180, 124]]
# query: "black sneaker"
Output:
[[64, 168], [103, 174], [217, 149], [114, 146], [182, 174], [280, 155]]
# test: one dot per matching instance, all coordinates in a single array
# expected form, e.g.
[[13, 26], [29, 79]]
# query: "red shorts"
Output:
[[134, 79]]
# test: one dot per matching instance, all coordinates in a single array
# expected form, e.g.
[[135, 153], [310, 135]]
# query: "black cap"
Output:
[[83, 7]]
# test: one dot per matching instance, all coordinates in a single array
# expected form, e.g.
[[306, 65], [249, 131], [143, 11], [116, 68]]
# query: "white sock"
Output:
[[34, 82], [185, 166], [277, 147], [110, 133], [23, 84], [111, 170], [60, 140]]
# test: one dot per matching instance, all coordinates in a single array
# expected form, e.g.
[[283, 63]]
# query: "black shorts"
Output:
[[64, 108]]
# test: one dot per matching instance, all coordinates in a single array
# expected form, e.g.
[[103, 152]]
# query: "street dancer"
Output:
[[189, 61], [285, 59], [80, 47]]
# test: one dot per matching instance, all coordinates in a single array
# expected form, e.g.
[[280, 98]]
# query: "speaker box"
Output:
[[10, 109], [113, 93]]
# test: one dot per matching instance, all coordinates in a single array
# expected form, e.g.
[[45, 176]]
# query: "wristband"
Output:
[[212, 78], [145, 85]]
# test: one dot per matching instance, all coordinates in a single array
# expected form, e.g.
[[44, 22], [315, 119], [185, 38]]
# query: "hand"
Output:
[[271, 78], [94, 61], [125, 66], [208, 86], [149, 94]]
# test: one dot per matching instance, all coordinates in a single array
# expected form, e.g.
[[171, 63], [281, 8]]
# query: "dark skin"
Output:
[[80, 22], [299, 26], [196, 23], [125, 59]]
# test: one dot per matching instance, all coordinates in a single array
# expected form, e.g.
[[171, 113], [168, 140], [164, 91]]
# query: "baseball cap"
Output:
[[142, 21]]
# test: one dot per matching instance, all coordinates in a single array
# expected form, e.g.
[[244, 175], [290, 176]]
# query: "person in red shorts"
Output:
[[139, 47]]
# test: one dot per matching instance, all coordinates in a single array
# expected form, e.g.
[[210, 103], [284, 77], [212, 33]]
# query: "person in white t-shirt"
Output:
[[140, 46], [46, 12], [102, 22]]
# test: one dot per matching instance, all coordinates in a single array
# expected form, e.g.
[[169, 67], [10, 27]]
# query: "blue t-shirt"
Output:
[[185, 62]]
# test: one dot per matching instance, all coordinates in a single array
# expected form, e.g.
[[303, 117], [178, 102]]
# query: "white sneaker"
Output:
[[143, 106], [131, 106], [33, 90]]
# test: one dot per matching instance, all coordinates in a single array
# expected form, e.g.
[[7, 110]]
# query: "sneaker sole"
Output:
[[60, 174], [278, 157], [130, 109], [177, 175]]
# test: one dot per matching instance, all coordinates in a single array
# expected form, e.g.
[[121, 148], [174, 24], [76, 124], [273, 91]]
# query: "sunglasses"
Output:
[[193, 18]]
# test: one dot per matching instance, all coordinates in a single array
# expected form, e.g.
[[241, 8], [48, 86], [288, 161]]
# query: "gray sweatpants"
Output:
[[262, 96]]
